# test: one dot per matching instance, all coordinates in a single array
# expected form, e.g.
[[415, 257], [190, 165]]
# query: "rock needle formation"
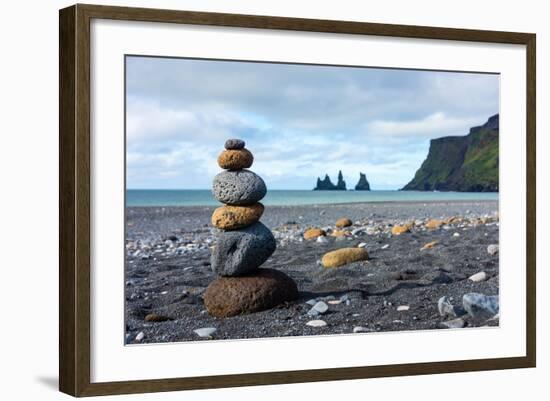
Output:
[[243, 243]]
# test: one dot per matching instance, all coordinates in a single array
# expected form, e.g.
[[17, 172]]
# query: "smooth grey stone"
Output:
[[241, 251], [241, 187], [234, 143], [479, 305], [318, 309], [445, 307]]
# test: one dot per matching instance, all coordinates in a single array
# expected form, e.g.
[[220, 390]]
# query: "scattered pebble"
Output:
[[454, 324], [205, 332], [343, 222], [140, 336], [478, 277], [429, 245], [322, 239], [386, 246], [316, 323], [401, 308], [318, 309], [362, 245], [456, 234], [492, 249], [153, 317], [360, 329], [445, 307]]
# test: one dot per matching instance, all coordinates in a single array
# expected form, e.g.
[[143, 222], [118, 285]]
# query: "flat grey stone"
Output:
[[480, 305], [241, 251], [241, 187], [234, 143]]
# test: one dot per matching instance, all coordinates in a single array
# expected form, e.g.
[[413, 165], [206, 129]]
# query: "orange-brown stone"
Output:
[[235, 159], [343, 222], [234, 217], [313, 233], [433, 224], [343, 256], [401, 229]]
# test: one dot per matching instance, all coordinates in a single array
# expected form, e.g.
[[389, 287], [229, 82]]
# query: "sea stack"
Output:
[[363, 183], [243, 243]]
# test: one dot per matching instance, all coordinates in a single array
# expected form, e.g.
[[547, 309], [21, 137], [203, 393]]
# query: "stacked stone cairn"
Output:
[[243, 243]]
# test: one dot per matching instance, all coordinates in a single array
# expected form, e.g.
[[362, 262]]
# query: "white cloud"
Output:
[[437, 124]]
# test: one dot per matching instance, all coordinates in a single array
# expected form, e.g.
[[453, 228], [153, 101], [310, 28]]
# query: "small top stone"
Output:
[[234, 143]]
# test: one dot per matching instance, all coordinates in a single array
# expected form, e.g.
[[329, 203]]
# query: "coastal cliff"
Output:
[[461, 163]]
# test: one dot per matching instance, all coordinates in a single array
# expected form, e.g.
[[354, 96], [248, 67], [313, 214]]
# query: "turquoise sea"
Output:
[[203, 197]]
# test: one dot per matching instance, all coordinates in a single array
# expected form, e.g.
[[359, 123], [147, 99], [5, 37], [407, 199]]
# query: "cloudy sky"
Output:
[[300, 121]]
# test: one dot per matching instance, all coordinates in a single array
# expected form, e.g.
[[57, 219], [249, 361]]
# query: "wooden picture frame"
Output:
[[74, 199]]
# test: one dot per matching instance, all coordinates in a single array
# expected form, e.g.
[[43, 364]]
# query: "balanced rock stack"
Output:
[[243, 243]]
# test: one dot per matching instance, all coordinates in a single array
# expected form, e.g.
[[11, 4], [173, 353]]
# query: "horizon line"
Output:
[[276, 189]]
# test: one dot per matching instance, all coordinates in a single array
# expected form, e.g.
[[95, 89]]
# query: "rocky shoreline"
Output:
[[400, 287]]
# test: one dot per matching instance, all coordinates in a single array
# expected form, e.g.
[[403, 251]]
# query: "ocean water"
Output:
[[203, 197]]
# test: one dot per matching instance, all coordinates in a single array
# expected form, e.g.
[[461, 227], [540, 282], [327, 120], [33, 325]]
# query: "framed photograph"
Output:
[[249, 200]]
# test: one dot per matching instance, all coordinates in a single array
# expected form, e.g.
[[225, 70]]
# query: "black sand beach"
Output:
[[398, 288]]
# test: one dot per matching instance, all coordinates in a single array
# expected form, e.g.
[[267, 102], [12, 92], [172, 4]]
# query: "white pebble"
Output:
[[385, 246], [476, 278], [322, 239], [445, 307], [362, 245], [316, 323], [140, 336], [403, 308], [359, 329], [456, 235], [205, 332], [492, 249]]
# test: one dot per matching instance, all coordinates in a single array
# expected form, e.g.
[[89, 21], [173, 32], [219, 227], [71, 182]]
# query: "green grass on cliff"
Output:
[[462, 163]]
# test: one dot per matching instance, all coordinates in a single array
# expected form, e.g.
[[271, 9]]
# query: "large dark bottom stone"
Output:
[[263, 289]]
